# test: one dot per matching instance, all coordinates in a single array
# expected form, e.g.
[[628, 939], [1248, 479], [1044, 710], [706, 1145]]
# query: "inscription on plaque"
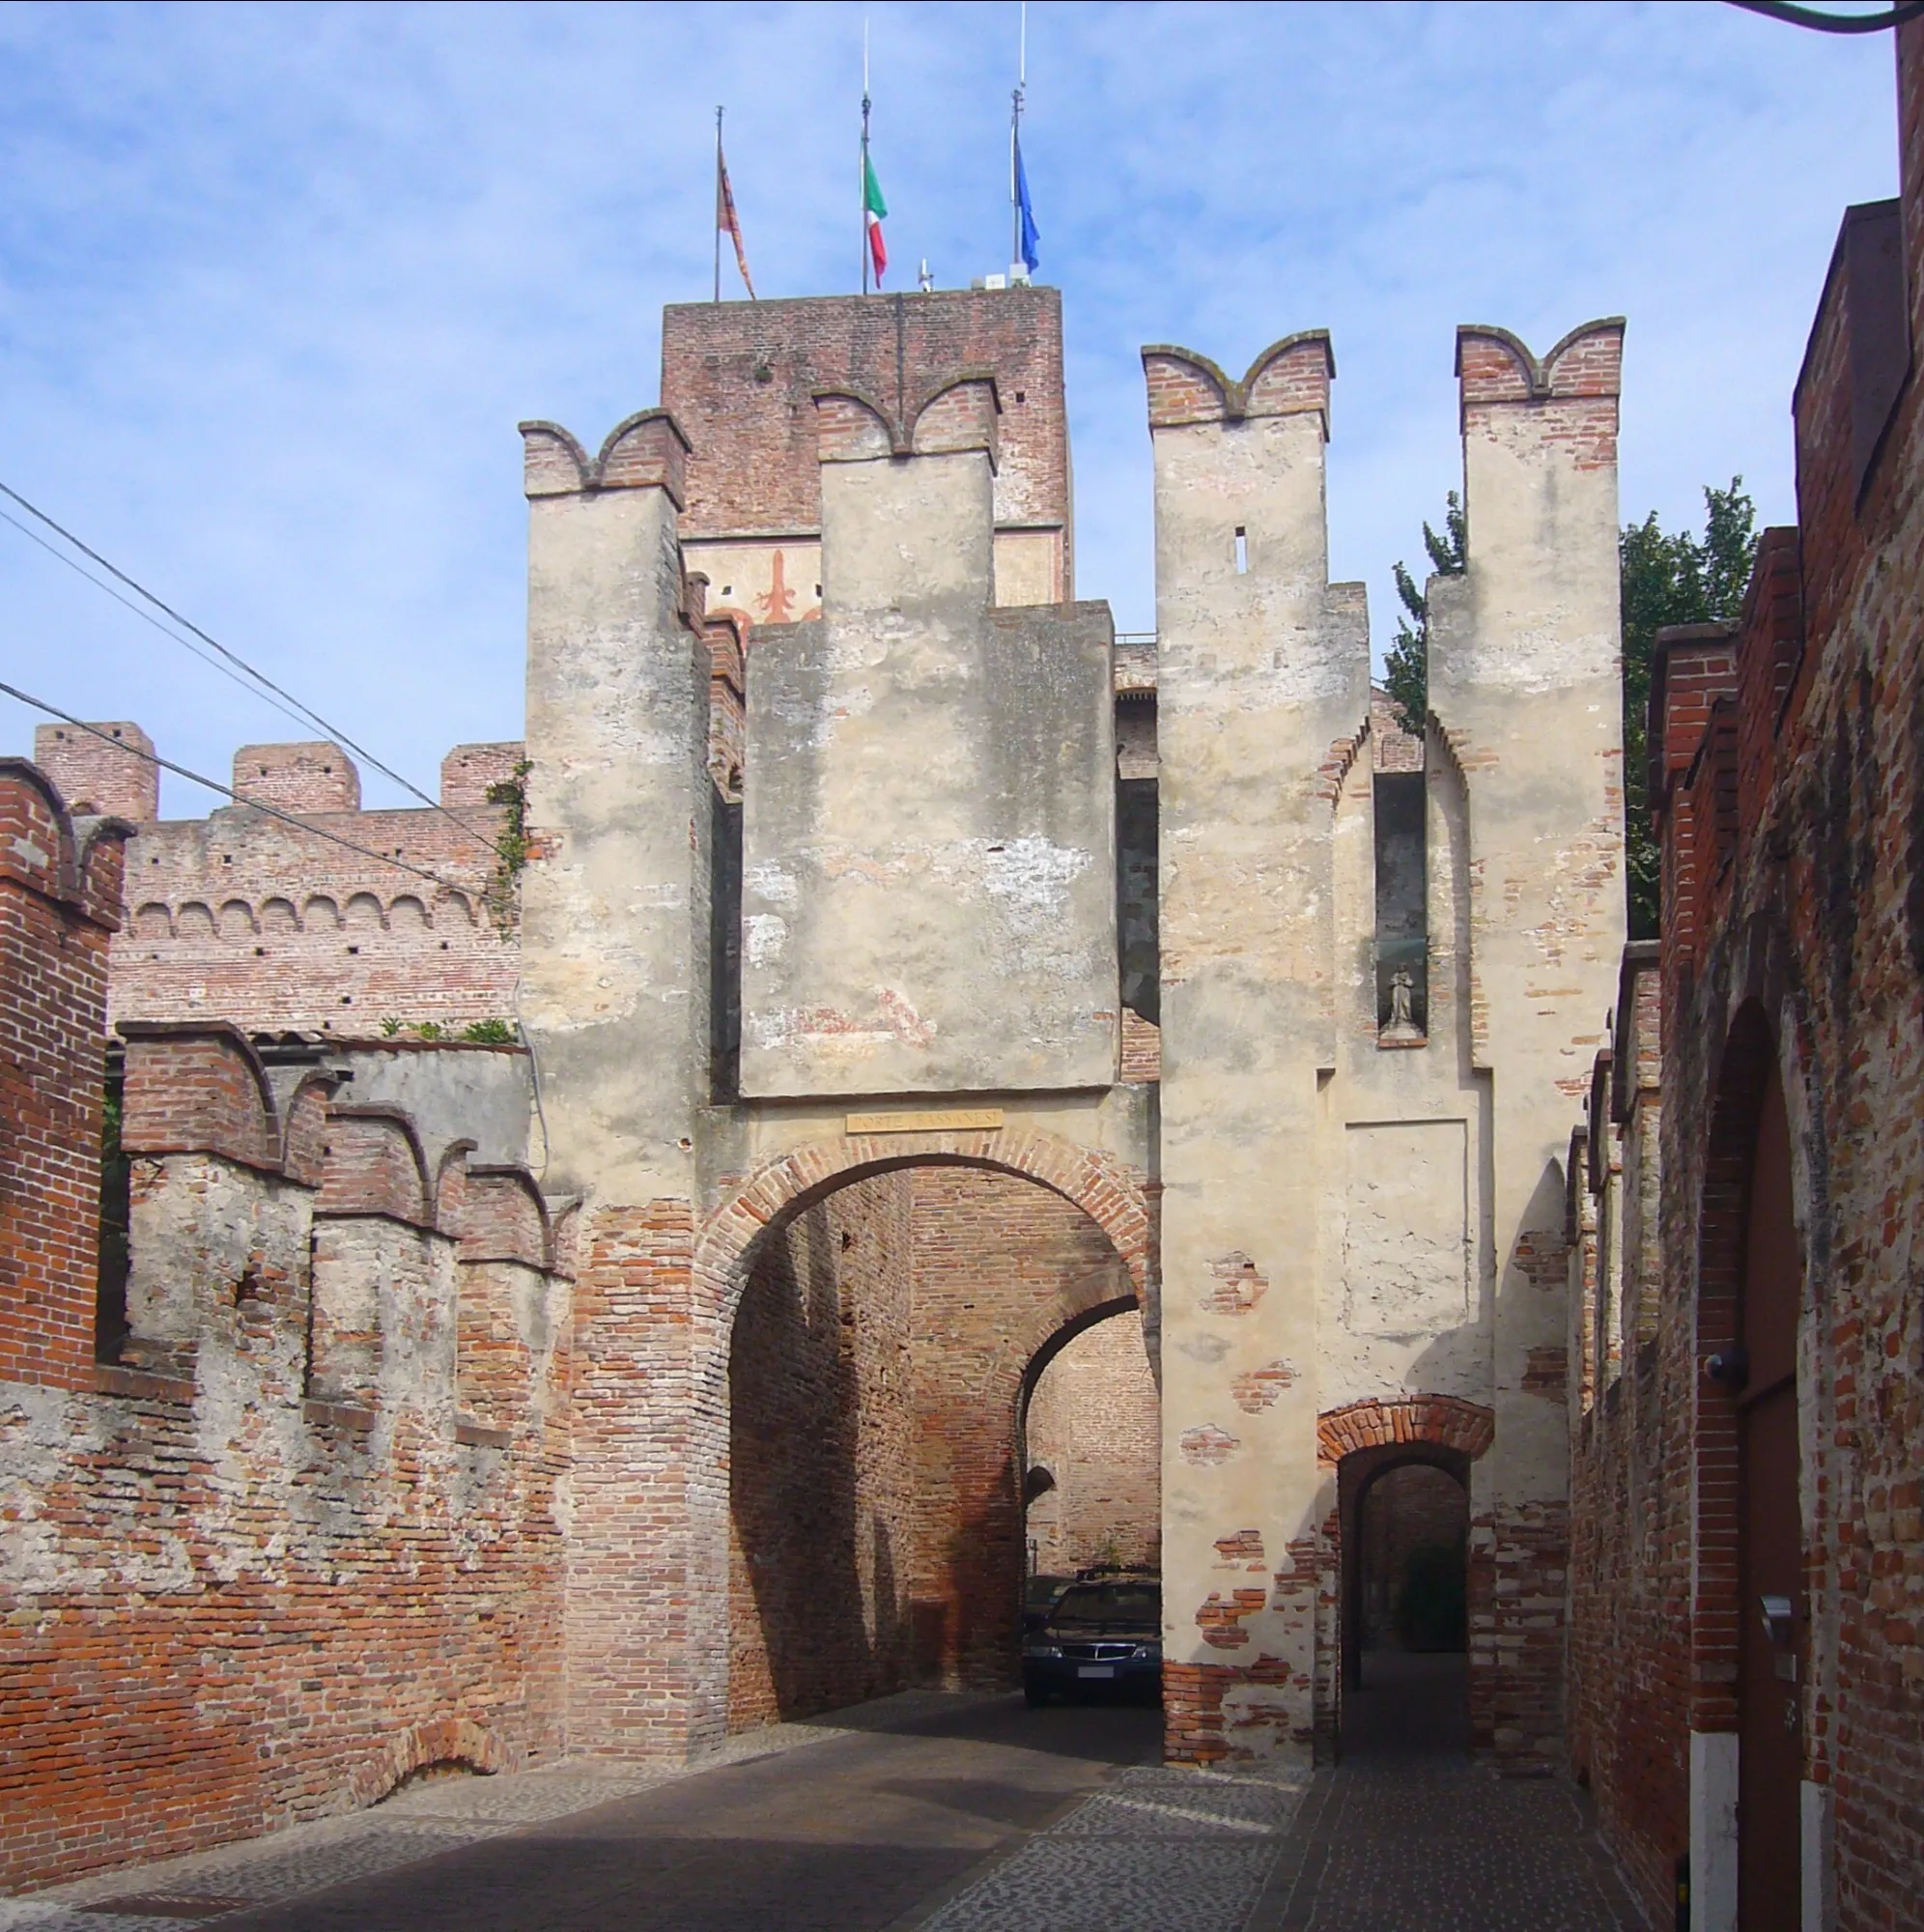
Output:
[[937, 1119]]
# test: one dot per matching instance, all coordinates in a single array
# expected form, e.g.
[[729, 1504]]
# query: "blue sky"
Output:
[[276, 283]]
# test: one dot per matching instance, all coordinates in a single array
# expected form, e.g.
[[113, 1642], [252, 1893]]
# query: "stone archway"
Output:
[[787, 1249]]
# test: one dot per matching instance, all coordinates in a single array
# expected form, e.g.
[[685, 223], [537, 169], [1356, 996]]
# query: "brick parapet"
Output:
[[278, 926], [312, 778], [268, 1352], [644, 451], [1571, 395], [1291, 376], [107, 767]]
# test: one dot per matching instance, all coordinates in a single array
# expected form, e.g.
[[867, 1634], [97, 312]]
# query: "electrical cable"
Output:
[[148, 617], [227, 792], [308, 714], [1819, 22]]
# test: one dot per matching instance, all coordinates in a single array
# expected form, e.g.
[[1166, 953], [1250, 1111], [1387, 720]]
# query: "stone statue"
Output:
[[1400, 988]]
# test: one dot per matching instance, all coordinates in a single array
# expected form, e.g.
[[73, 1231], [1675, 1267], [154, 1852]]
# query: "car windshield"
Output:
[[1094, 1604]]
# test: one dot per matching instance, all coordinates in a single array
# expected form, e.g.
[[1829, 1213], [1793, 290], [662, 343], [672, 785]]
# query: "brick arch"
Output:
[[1104, 1189], [1440, 1421], [1109, 1191], [446, 1740]]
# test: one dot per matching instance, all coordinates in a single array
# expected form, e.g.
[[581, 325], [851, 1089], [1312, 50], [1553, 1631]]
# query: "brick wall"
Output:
[[1000, 1267], [1094, 1423], [277, 927], [1790, 754], [94, 773], [739, 378], [60, 891], [235, 1599]]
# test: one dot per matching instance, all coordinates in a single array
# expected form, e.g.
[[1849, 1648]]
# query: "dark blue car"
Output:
[[1096, 1636]]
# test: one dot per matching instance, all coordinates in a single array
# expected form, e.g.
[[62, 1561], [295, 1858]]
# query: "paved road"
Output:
[[944, 1815], [870, 1818], [848, 1835]]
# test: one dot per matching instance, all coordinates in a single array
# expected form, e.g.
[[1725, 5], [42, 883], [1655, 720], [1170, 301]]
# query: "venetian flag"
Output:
[[727, 221], [875, 209]]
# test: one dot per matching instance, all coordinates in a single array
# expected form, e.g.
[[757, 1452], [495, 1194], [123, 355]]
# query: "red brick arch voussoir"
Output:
[[1444, 1421], [1108, 1189]]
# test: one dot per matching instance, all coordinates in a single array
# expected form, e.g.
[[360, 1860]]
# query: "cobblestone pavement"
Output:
[[951, 1812], [1158, 1851], [926, 1814], [1409, 1835]]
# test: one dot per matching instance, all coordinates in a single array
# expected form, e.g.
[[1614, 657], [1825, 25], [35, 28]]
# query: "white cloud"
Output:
[[276, 283]]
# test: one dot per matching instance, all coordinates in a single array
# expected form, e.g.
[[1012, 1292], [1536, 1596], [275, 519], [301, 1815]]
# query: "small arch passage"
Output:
[[1404, 1544], [1091, 1428]]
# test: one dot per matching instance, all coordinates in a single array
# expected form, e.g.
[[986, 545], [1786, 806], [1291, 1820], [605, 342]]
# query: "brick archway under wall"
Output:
[[1108, 1189], [1443, 1421], [1114, 1196]]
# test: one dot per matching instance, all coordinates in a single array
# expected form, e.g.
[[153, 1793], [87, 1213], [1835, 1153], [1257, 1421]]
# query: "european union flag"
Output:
[[1031, 236]]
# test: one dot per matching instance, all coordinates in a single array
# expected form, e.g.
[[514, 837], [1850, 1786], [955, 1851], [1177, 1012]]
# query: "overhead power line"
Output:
[[301, 713], [227, 792], [148, 617], [1823, 22]]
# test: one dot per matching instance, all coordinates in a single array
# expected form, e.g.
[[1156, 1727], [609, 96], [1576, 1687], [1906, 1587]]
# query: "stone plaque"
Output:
[[938, 1120]]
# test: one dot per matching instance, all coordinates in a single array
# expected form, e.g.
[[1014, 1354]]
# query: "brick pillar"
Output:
[[60, 892], [1524, 682], [1264, 666], [614, 965]]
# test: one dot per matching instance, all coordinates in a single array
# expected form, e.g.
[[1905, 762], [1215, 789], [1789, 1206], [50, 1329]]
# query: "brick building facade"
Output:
[[1747, 1684]]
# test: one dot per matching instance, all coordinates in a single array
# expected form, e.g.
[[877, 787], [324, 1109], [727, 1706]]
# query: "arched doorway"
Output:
[[1750, 1292], [1403, 1587], [1405, 1598], [888, 1312]]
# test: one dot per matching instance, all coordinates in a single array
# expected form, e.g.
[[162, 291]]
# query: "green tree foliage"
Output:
[[1406, 663], [1665, 578], [1671, 578]]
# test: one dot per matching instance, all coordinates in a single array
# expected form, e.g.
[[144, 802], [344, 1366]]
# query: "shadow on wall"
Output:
[[821, 1439]]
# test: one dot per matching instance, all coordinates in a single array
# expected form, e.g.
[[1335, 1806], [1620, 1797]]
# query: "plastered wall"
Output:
[[929, 847], [1363, 1211]]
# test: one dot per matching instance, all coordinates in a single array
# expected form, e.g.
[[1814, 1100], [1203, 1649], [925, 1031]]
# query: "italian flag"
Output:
[[875, 208]]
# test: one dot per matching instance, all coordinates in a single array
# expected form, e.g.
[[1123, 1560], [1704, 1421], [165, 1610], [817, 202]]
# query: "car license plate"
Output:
[[1095, 1670]]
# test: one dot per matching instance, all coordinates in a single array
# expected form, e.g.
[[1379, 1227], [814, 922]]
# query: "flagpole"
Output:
[[861, 186], [1015, 136], [717, 203]]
